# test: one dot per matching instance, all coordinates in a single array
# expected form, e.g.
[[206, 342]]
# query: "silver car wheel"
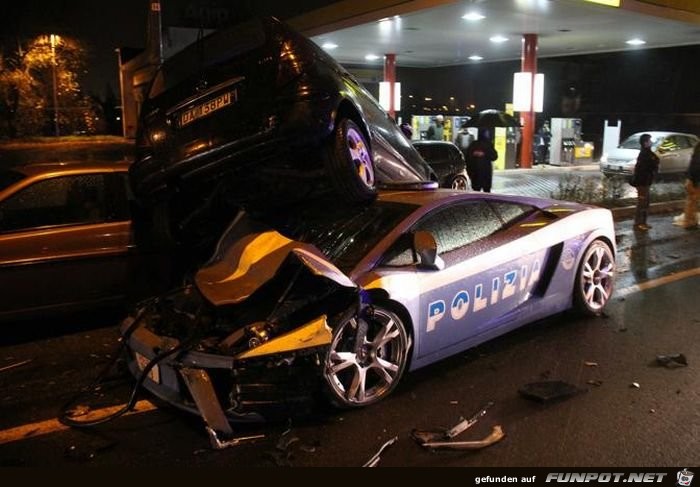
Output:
[[596, 276], [460, 183], [359, 153], [366, 359]]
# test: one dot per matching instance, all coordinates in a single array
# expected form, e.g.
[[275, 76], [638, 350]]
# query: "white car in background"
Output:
[[673, 148]]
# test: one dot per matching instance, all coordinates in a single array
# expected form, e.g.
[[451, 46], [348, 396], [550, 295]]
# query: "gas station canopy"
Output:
[[442, 33]]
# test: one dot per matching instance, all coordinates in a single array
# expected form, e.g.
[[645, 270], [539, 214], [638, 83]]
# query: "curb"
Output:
[[627, 212]]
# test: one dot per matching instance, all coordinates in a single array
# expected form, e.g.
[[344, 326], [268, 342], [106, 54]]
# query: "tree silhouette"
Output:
[[27, 90]]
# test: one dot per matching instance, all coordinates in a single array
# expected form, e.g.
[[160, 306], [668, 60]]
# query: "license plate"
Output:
[[205, 109], [142, 362]]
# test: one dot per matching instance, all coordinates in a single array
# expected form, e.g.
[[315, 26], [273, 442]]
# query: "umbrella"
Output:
[[493, 118]]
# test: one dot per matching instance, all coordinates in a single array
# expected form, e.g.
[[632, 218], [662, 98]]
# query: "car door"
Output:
[[65, 241], [672, 154], [491, 266]]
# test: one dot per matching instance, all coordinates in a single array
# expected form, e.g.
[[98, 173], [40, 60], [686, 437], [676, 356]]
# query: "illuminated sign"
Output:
[[384, 95], [522, 88]]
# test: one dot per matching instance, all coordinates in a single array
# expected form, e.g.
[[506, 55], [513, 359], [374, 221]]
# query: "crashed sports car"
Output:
[[256, 116], [345, 300]]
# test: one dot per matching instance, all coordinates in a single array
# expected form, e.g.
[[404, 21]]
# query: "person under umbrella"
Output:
[[480, 156]]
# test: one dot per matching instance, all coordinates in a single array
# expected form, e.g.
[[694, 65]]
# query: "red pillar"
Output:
[[529, 65], [390, 76]]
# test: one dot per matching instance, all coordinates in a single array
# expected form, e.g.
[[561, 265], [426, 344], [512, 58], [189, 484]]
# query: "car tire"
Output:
[[594, 279], [460, 183], [356, 377], [349, 163]]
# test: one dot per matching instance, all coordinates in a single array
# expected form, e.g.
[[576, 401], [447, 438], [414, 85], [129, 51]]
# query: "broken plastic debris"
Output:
[[15, 365], [548, 391], [635, 385], [672, 361], [441, 439], [496, 435], [594, 382], [590, 364], [372, 462]]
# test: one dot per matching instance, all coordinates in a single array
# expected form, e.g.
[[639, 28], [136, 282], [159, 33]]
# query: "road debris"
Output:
[[594, 382], [423, 437], [372, 462], [635, 385], [15, 365], [495, 436], [672, 361], [548, 391], [443, 439], [590, 364], [78, 410]]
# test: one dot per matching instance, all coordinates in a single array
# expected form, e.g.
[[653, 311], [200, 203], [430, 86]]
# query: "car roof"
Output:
[[70, 167], [432, 142], [660, 133], [435, 197]]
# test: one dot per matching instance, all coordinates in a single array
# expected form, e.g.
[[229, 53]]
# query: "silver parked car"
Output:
[[673, 148]]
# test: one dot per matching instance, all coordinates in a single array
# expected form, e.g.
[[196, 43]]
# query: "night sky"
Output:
[[104, 25], [101, 26]]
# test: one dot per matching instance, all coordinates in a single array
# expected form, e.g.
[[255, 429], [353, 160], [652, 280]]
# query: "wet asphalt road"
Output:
[[611, 424]]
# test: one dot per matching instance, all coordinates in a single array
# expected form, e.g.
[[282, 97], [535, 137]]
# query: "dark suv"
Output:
[[257, 116]]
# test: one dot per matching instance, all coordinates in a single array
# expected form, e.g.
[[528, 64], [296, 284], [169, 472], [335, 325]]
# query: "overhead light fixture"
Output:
[[329, 45], [498, 39], [636, 42], [473, 16], [371, 57], [475, 57], [609, 3]]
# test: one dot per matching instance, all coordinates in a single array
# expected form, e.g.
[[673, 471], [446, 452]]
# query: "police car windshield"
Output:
[[344, 235]]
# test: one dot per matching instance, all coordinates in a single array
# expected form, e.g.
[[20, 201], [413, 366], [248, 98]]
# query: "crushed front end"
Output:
[[248, 339]]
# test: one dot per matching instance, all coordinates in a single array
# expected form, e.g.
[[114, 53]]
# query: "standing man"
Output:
[[644, 172], [480, 155], [436, 129]]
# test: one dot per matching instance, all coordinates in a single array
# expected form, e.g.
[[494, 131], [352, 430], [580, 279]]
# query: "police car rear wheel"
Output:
[[594, 279], [366, 359]]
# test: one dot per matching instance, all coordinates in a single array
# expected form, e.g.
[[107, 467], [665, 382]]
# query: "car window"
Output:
[[482, 221], [455, 154], [118, 197], [669, 144], [460, 225], [632, 142], [511, 212], [58, 201]]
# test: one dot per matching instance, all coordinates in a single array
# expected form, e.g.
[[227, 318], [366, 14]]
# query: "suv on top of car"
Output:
[[257, 116]]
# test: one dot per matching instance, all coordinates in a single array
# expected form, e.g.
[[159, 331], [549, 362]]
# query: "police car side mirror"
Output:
[[426, 248]]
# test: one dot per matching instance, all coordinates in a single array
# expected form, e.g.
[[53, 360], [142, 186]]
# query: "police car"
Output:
[[345, 300]]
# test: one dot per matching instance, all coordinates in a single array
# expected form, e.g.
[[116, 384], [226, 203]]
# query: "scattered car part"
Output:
[[374, 460], [423, 437], [495, 436], [548, 391], [672, 361], [635, 385]]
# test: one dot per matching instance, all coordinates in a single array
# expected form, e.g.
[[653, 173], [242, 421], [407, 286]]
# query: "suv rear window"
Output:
[[213, 49]]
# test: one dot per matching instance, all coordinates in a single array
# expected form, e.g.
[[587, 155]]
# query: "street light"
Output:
[[54, 42]]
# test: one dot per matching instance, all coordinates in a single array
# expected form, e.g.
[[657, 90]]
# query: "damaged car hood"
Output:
[[240, 267]]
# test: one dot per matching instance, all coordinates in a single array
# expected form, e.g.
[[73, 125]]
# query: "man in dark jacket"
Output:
[[479, 156], [644, 172]]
